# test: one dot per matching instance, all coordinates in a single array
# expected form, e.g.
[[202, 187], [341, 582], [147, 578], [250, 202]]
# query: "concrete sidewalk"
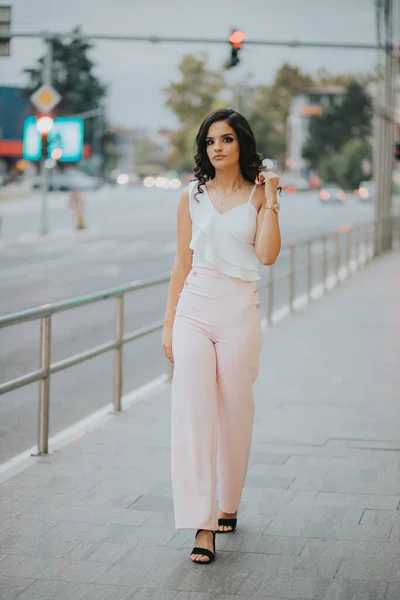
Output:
[[319, 518]]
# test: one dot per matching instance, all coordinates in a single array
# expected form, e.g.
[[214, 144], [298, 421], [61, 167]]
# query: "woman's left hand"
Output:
[[271, 181]]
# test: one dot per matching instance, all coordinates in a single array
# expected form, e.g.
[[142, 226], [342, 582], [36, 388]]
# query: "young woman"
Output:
[[227, 222]]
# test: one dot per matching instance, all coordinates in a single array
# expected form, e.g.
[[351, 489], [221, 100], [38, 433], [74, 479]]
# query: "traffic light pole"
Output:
[[44, 180], [384, 133]]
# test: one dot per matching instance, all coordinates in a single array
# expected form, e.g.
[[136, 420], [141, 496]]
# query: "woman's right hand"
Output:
[[167, 343]]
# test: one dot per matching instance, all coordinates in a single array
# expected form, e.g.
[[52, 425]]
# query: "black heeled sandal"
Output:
[[227, 523], [203, 551]]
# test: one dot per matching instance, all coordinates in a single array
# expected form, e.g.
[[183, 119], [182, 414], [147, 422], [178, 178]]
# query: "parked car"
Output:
[[366, 191], [332, 194]]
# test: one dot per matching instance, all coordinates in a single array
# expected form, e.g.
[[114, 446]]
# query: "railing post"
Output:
[[270, 294], [44, 392], [292, 275], [357, 232], [324, 263], [365, 243], [348, 251], [119, 352], [337, 258], [309, 269]]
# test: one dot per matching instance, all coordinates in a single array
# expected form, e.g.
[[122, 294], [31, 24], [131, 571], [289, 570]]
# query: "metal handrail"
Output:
[[364, 250]]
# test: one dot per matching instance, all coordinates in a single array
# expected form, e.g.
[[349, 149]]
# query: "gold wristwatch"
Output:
[[276, 207]]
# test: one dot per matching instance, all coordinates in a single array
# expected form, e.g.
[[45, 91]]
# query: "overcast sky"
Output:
[[138, 72]]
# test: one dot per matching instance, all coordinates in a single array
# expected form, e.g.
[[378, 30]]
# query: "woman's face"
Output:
[[222, 145]]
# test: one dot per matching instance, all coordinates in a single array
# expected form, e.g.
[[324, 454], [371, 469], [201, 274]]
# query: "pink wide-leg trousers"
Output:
[[216, 344]]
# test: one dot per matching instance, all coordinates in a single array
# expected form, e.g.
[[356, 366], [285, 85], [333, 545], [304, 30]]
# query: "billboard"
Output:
[[66, 134]]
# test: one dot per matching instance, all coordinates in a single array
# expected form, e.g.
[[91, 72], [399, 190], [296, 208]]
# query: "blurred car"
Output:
[[289, 189], [366, 191], [163, 182], [71, 180], [332, 194]]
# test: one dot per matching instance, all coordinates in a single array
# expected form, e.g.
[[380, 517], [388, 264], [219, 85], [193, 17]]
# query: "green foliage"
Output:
[[344, 167], [74, 79], [199, 91], [72, 76], [352, 154], [352, 118], [147, 152], [191, 98], [274, 100]]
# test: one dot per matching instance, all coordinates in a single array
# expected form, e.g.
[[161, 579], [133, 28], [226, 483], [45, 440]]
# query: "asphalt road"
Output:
[[130, 235]]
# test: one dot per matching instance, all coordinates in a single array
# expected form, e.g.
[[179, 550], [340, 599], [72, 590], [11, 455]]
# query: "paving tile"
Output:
[[366, 501], [329, 528], [24, 525], [267, 458], [381, 517], [351, 549], [150, 594], [306, 588], [186, 577], [289, 471], [204, 596], [47, 568], [289, 566], [98, 551], [362, 482], [73, 530], [393, 592], [36, 546], [259, 481], [44, 589], [302, 449], [11, 587], [88, 514], [152, 503], [374, 569], [260, 544], [11, 509]]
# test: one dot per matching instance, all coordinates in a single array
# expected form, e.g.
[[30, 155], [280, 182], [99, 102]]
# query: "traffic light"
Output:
[[397, 150], [44, 125], [236, 40]]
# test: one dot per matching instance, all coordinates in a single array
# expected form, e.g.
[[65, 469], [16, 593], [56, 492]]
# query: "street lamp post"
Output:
[[44, 126]]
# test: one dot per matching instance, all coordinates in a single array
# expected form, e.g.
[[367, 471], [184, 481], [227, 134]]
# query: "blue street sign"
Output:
[[66, 134]]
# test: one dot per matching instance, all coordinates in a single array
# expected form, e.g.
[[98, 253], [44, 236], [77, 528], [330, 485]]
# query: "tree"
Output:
[[352, 118], [270, 142], [271, 109], [194, 95], [274, 101], [148, 152], [352, 155], [73, 77], [191, 98]]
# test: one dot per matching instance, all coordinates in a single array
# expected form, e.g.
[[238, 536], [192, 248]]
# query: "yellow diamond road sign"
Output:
[[45, 98]]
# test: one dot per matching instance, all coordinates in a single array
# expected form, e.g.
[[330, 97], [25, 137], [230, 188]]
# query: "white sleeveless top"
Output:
[[223, 241]]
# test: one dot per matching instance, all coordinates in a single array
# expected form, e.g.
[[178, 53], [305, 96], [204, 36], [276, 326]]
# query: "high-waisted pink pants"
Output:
[[216, 343]]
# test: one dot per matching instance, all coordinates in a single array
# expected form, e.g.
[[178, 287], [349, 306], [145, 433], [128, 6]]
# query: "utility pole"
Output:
[[47, 80], [384, 123]]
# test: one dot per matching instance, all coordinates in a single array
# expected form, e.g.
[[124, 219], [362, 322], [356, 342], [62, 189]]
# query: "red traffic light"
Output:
[[44, 125], [237, 38]]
